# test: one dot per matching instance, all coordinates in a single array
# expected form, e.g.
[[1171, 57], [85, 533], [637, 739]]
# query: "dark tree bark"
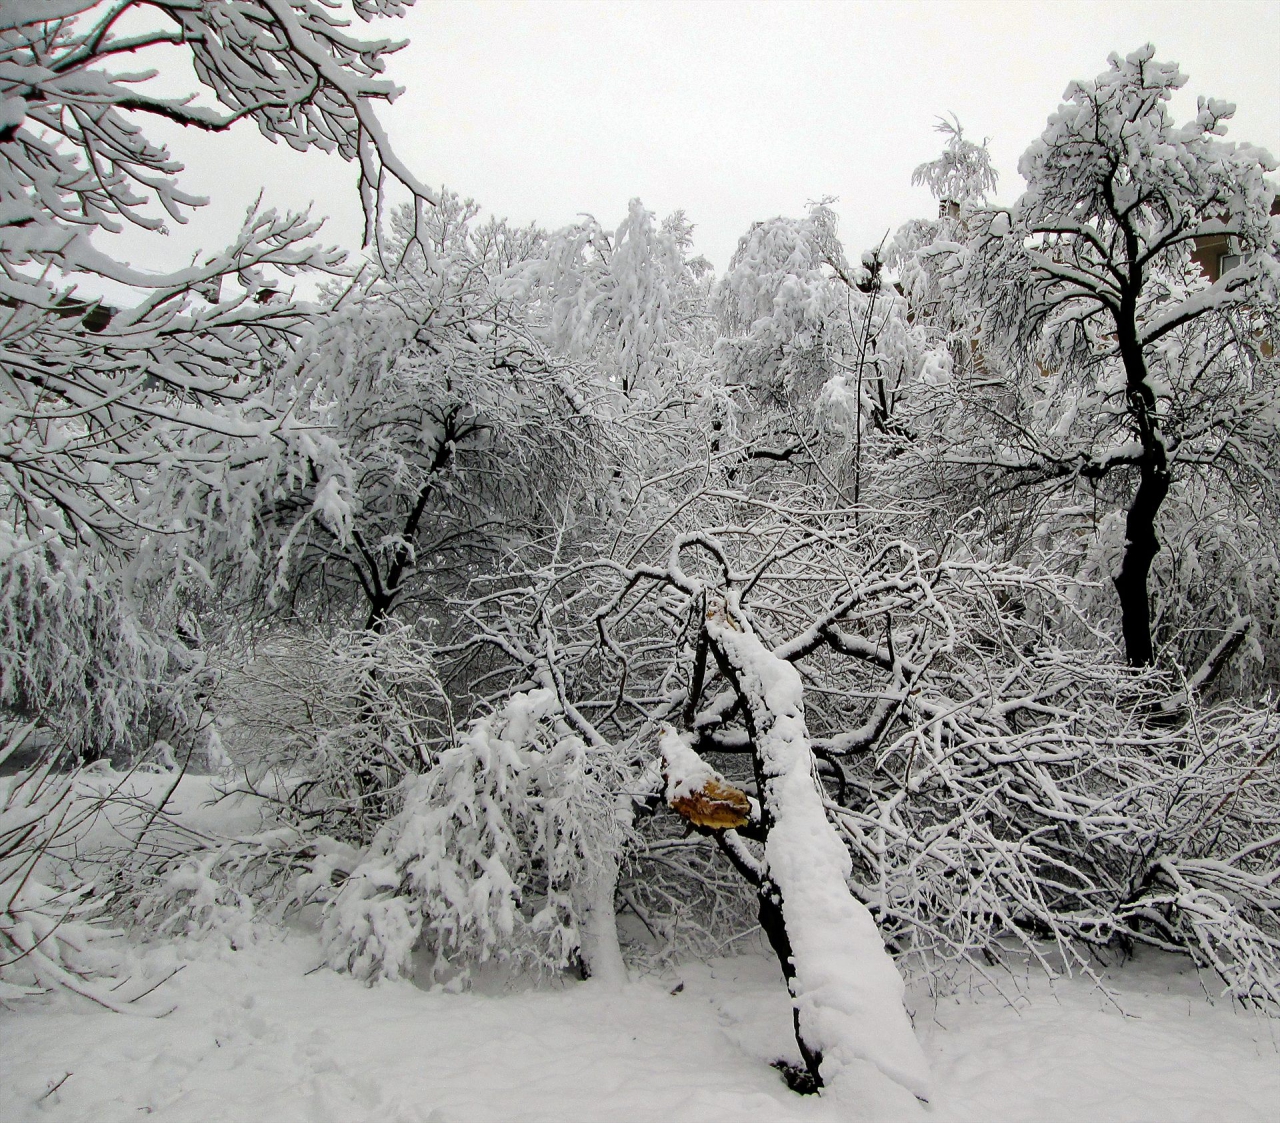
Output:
[[1141, 544], [1140, 548], [381, 591], [775, 929]]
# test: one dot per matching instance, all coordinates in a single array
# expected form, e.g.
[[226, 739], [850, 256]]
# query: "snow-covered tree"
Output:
[[458, 433], [628, 300], [499, 854], [828, 358], [139, 443], [1115, 363], [961, 176], [783, 331], [960, 179], [89, 386]]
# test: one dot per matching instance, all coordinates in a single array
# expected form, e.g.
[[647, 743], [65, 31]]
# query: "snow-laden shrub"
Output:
[[492, 857], [51, 938], [198, 897], [75, 655], [1102, 821], [681, 899], [328, 726], [225, 889], [170, 872]]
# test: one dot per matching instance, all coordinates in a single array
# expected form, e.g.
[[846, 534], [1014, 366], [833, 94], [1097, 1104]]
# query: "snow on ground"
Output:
[[262, 1034], [1160, 1051], [255, 1037]]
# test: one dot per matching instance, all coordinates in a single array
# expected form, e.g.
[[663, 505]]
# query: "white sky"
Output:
[[733, 111]]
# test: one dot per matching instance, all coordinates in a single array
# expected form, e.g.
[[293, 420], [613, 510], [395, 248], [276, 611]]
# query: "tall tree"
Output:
[[1115, 359], [628, 301]]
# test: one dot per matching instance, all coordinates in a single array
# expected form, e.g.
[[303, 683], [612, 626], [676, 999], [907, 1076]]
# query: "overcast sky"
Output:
[[734, 111]]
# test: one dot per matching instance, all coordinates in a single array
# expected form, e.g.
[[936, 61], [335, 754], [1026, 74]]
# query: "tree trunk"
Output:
[[382, 592], [773, 924], [1140, 542], [600, 948], [1140, 548], [847, 996]]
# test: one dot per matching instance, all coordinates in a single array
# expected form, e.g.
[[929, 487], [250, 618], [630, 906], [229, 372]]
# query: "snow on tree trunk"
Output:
[[600, 948], [847, 994], [596, 893]]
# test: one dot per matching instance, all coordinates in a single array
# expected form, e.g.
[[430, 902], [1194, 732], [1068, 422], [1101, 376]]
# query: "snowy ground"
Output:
[[255, 1037], [260, 1034]]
